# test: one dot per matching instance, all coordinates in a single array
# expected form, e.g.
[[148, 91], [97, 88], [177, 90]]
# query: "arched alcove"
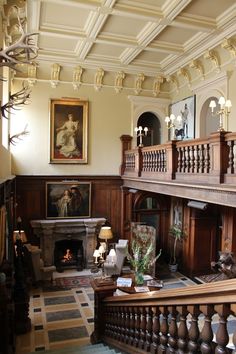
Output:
[[210, 89], [152, 122], [210, 122], [158, 107]]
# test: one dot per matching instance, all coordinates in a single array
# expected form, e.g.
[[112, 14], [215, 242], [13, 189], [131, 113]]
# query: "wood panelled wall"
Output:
[[105, 198]]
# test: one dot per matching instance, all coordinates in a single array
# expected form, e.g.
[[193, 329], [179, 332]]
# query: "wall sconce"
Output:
[[172, 122], [140, 132], [224, 110]]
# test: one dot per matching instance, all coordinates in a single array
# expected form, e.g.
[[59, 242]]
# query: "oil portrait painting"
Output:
[[68, 131], [68, 199]]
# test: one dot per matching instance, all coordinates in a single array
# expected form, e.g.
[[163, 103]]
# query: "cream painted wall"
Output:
[[109, 118]]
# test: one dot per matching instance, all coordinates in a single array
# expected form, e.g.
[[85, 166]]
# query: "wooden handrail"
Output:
[[174, 321], [217, 292]]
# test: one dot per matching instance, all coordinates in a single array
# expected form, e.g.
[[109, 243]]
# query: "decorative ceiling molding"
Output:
[[126, 38], [119, 81], [55, 74], [213, 57], [98, 79]]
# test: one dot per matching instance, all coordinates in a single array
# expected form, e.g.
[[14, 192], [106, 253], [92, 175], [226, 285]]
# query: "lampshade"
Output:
[[112, 255], [105, 233], [101, 249], [96, 253], [19, 235]]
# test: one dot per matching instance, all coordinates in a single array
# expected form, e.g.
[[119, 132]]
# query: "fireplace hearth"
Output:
[[68, 254]]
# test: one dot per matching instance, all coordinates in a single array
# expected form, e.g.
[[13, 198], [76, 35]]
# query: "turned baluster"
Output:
[[132, 326], [184, 169], [137, 326], [182, 330], [119, 323], [191, 159], [149, 321], [155, 330], [108, 320], [179, 164], [142, 328], [207, 333], [201, 157], [196, 159], [164, 330], [206, 159], [122, 337], [155, 161], [173, 329], [193, 333], [222, 336], [230, 168], [127, 325]]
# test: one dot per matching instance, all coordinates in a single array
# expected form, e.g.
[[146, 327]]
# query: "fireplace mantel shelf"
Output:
[[52, 230]]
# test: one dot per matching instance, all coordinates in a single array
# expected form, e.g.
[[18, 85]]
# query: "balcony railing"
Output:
[[211, 160]]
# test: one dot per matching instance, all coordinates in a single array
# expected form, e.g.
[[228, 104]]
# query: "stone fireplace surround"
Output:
[[50, 231]]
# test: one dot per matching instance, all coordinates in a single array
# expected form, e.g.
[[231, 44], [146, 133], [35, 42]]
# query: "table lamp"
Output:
[[105, 234]]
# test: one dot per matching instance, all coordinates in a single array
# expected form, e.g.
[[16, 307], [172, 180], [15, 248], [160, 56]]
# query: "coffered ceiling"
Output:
[[149, 38]]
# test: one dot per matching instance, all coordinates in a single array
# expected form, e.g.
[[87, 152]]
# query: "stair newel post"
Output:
[[137, 326], [155, 330], [222, 336], [142, 327], [132, 326], [149, 321], [173, 329], [182, 330], [164, 330], [127, 325], [207, 333], [194, 332]]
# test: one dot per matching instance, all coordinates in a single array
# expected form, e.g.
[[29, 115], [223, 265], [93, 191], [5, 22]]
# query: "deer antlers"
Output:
[[16, 100], [23, 48], [14, 138]]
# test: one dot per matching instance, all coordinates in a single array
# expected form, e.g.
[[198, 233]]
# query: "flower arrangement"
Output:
[[139, 261]]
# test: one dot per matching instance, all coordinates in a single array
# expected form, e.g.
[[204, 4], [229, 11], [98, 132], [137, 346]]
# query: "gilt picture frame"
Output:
[[68, 131], [68, 199], [185, 129]]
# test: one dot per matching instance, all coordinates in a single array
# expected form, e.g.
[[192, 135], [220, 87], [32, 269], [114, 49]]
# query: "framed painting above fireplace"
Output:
[[68, 199]]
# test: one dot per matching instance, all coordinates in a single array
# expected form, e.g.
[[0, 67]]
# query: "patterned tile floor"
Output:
[[59, 319]]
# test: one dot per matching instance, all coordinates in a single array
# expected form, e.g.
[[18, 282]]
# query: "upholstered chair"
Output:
[[114, 263]]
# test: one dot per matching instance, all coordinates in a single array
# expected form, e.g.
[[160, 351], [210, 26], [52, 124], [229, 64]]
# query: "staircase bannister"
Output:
[[172, 321]]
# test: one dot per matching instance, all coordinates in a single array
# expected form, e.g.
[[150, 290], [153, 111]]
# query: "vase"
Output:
[[139, 278]]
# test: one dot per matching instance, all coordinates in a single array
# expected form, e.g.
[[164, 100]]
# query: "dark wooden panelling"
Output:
[[105, 198]]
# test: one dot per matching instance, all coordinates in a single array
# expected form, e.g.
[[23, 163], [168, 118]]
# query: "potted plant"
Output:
[[178, 234]]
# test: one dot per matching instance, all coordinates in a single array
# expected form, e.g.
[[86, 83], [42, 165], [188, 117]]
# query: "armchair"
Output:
[[113, 264]]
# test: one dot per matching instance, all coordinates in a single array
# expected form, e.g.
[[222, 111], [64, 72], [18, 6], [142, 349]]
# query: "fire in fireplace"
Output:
[[68, 254]]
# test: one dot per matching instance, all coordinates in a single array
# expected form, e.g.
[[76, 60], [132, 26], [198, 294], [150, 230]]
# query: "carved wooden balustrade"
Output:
[[184, 320], [211, 160]]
